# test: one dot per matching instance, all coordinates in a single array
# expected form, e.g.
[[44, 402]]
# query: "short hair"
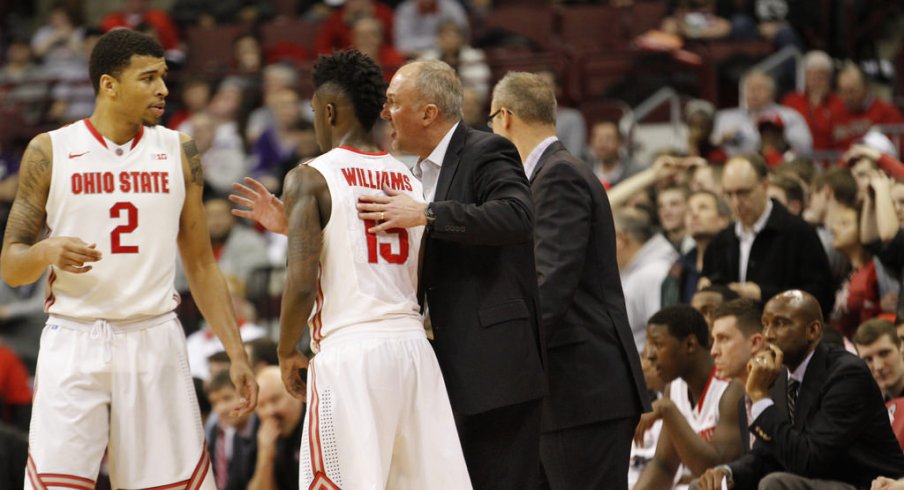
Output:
[[219, 356], [802, 167], [114, 50], [721, 206], [449, 24], [726, 292], [682, 321], [762, 74], [683, 189], [438, 84], [792, 187], [872, 330], [747, 312], [756, 161], [282, 70], [843, 185], [263, 350], [356, 76], [818, 59], [219, 381], [634, 223], [528, 95]]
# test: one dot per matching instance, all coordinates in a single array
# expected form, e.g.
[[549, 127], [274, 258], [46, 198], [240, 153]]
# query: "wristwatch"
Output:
[[429, 214]]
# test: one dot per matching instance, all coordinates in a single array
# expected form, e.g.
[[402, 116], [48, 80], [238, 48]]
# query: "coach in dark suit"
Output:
[[478, 280], [597, 392], [818, 416], [767, 249]]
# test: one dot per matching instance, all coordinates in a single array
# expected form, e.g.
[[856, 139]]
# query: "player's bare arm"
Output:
[[725, 446], [25, 256], [262, 206], [307, 204], [660, 471], [205, 280]]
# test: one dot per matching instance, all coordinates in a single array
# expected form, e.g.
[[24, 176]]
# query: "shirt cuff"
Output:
[[757, 409]]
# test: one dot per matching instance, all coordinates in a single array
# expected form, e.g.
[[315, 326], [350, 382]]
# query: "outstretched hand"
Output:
[[263, 206]]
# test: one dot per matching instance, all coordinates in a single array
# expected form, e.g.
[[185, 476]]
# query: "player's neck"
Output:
[[358, 139], [111, 125], [698, 377]]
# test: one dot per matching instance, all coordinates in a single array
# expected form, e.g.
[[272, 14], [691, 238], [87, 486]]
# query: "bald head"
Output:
[[792, 321], [852, 88], [275, 403]]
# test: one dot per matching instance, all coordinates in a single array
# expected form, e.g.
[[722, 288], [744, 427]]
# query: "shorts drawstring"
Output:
[[102, 329]]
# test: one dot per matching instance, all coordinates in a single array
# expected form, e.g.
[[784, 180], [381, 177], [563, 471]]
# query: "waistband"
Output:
[[115, 325], [389, 330]]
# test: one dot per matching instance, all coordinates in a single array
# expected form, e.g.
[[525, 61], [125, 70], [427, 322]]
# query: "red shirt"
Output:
[[820, 118], [336, 35], [166, 30], [851, 126], [14, 388], [857, 300]]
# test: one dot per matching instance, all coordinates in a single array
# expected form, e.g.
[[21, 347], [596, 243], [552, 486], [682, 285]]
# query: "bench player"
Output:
[[119, 195], [378, 412]]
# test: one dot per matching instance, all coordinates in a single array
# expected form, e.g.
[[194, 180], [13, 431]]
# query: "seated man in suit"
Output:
[[588, 420], [699, 410], [231, 440], [737, 334], [767, 249], [821, 423]]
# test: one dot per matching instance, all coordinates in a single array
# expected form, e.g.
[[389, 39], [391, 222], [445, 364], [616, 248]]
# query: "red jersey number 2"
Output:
[[116, 211], [385, 249]]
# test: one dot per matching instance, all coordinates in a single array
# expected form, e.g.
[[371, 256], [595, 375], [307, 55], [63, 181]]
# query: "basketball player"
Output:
[[118, 195], [378, 413]]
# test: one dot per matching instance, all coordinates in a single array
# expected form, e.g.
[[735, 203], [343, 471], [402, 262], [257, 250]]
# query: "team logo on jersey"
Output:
[[76, 155], [158, 156]]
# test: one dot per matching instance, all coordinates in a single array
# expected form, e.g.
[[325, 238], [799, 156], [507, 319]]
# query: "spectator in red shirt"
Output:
[[857, 300], [336, 32], [860, 109], [135, 12], [15, 393], [817, 103]]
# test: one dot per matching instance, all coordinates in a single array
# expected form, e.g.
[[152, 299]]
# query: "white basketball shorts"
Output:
[[123, 387], [378, 417]]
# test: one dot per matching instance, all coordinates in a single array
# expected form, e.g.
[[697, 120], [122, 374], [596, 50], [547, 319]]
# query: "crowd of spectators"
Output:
[[790, 190]]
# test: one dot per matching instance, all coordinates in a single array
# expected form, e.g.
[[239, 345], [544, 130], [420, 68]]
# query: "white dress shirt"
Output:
[[747, 237], [428, 169], [534, 157]]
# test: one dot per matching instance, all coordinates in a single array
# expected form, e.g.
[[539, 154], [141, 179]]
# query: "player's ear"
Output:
[[108, 85], [330, 114]]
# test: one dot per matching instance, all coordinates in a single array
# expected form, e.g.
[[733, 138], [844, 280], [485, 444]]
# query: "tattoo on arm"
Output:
[[194, 162], [27, 216]]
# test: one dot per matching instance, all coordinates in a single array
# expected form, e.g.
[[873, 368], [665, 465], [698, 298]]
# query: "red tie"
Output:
[[221, 462]]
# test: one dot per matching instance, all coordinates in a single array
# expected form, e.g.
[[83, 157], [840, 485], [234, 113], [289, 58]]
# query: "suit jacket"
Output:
[[244, 454], [592, 363], [786, 254], [840, 432], [479, 278]]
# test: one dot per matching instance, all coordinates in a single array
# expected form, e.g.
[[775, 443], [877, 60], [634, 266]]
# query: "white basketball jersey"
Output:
[[127, 200], [703, 417], [365, 279]]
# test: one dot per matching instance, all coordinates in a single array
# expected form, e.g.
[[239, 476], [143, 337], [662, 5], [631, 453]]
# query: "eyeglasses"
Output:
[[741, 193], [493, 116]]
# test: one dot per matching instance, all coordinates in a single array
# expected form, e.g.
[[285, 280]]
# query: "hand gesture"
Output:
[[762, 369], [394, 210], [666, 166], [70, 254], [883, 483], [267, 434], [243, 378], [648, 419], [860, 152], [263, 207], [711, 479], [291, 367]]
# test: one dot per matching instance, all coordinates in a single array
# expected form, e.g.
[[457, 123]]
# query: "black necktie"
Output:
[[793, 386]]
